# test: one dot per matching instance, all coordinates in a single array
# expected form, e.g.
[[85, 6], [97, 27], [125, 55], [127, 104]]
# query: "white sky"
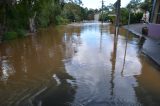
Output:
[[97, 3]]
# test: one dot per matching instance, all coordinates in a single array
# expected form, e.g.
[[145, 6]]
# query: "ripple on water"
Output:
[[85, 67], [87, 90]]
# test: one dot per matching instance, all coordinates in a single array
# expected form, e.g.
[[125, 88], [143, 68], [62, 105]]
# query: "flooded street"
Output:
[[77, 65]]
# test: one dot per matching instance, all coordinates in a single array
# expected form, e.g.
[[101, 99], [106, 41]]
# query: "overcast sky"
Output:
[[97, 3]]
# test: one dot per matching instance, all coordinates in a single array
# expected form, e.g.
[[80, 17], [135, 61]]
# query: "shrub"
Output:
[[112, 19], [10, 35], [124, 16], [136, 17], [61, 20], [21, 33]]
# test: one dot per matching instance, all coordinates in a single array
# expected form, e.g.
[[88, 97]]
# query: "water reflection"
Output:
[[113, 60], [28, 69], [148, 91], [77, 64], [125, 54], [92, 72]]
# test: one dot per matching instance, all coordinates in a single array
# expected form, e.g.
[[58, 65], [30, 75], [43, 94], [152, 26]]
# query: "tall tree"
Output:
[[134, 5]]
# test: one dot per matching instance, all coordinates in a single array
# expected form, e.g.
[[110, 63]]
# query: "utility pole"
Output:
[[129, 16], [117, 5], [102, 11]]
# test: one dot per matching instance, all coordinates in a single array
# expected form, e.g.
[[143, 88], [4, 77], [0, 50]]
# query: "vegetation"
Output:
[[134, 17], [135, 7], [10, 35], [18, 16], [21, 16], [73, 12]]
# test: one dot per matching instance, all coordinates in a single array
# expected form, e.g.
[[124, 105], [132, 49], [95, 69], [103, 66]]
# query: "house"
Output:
[[155, 15], [154, 26]]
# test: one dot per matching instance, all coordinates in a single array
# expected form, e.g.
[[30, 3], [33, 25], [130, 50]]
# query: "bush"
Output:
[[112, 19], [10, 35], [61, 20], [43, 21], [104, 17], [136, 17], [124, 16], [21, 33]]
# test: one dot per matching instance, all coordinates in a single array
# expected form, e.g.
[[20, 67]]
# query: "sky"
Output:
[[97, 3]]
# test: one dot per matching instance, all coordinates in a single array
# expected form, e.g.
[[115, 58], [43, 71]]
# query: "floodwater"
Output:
[[77, 65]]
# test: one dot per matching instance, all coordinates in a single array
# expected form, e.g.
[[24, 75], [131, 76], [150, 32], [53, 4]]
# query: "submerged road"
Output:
[[77, 65]]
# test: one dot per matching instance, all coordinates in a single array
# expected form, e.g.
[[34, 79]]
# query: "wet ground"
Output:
[[77, 65]]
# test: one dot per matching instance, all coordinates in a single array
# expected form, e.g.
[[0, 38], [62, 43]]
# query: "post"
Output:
[[102, 11], [117, 7], [118, 4], [129, 17]]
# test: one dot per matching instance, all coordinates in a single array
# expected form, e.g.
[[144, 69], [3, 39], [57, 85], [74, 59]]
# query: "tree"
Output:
[[73, 12], [124, 16], [28, 15], [134, 5], [146, 5]]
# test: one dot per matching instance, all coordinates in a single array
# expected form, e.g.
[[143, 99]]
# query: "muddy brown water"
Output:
[[77, 65]]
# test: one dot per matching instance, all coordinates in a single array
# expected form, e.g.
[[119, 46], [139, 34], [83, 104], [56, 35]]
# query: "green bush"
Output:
[[61, 20], [112, 19], [124, 16], [73, 12], [43, 21], [104, 17], [10, 35], [21, 33], [136, 17]]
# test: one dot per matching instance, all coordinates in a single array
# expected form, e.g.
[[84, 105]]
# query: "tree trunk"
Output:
[[32, 23]]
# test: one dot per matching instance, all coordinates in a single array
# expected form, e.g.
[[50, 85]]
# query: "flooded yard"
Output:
[[77, 65]]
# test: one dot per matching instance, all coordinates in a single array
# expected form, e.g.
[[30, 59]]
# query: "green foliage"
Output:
[[10, 35], [104, 17], [135, 17], [134, 5], [16, 15], [90, 14], [124, 16], [72, 12], [16, 18], [19, 16], [21, 33], [61, 20], [47, 12], [146, 5], [112, 19]]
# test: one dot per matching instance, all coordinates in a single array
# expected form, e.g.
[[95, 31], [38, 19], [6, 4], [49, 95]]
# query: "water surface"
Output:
[[77, 65]]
